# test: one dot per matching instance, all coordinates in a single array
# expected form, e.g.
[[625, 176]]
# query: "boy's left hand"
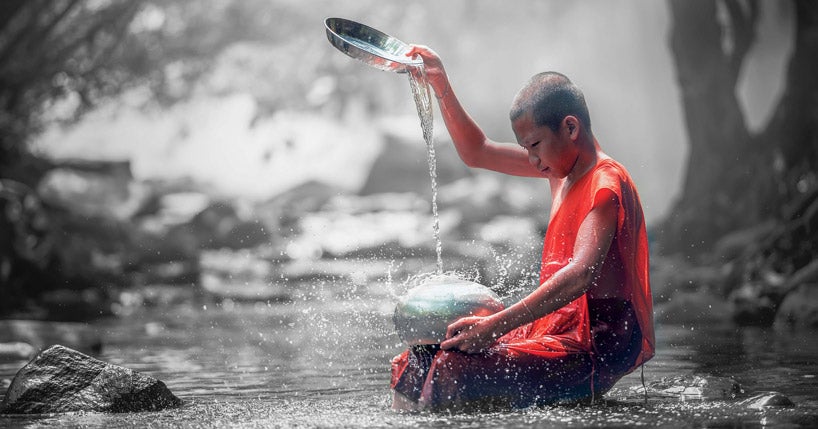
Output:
[[471, 334]]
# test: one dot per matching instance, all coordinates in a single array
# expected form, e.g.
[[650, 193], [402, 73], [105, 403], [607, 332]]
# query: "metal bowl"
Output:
[[369, 45], [424, 313]]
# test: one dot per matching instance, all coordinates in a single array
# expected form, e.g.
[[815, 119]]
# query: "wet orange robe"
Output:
[[555, 357]]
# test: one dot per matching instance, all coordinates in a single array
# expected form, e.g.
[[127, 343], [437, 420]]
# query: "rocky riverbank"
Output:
[[91, 241], [766, 275]]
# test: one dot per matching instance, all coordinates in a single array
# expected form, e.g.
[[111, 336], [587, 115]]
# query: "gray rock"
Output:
[[693, 387], [63, 380], [767, 399], [106, 190], [402, 167], [218, 225], [304, 198]]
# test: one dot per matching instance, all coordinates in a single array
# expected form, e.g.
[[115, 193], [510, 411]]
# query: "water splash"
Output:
[[423, 278], [423, 102]]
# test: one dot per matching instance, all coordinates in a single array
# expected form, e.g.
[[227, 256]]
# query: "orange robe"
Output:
[[560, 356]]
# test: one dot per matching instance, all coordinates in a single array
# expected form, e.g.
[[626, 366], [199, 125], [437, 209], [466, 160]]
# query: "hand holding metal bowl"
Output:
[[369, 45], [425, 312]]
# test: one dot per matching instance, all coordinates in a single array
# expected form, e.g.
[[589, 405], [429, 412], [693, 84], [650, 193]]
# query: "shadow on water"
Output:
[[325, 363]]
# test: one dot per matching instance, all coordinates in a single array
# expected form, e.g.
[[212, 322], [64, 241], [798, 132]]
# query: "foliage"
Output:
[[66, 56], [51, 50], [61, 58]]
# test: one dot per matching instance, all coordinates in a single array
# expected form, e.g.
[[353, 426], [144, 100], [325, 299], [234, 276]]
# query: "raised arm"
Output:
[[474, 148]]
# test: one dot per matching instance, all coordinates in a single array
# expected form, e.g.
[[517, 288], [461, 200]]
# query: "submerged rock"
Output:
[[767, 399], [62, 380], [693, 387]]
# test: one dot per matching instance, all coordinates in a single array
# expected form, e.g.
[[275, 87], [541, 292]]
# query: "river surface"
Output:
[[323, 361]]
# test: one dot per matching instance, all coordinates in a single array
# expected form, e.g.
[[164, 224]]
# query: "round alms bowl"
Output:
[[369, 45], [424, 313]]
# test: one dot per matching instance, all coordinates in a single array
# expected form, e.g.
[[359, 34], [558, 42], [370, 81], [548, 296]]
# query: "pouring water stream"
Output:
[[423, 102]]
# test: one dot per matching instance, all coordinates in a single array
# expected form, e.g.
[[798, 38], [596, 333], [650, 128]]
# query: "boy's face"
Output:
[[553, 154]]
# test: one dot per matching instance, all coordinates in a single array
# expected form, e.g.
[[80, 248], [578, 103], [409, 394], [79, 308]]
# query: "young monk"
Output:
[[590, 321]]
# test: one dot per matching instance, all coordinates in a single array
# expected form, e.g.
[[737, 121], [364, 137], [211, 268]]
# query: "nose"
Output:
[[533, 159]]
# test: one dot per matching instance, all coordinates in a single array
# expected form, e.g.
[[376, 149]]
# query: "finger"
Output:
[[416, 51], [450, 344], [456, 327], [452, 330], [421, 51]]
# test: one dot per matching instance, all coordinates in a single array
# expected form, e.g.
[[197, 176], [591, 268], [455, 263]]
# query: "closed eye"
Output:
[[535, 144]]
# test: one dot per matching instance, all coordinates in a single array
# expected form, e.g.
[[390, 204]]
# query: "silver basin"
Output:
[[369, 45], [424, 313]]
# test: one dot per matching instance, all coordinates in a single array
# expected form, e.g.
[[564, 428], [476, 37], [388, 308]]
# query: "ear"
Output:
[[571, 124]]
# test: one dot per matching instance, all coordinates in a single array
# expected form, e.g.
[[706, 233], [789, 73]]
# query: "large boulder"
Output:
[[289, 206], [62, 380], [93, 188], [403, 166], [219, 225]]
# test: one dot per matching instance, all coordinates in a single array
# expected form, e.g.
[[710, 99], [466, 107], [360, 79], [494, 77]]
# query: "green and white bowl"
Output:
[[425, 312]]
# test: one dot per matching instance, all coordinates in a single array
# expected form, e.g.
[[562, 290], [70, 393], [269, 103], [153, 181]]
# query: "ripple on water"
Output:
[[326, 364]]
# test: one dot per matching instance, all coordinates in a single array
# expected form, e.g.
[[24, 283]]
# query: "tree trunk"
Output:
[[708, 54], [734, 179], [792, 133]]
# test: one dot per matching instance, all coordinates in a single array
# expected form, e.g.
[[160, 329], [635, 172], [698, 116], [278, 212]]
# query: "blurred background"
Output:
[[155, 151]]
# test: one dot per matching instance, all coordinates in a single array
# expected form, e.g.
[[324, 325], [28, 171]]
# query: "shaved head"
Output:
[[550, 96]]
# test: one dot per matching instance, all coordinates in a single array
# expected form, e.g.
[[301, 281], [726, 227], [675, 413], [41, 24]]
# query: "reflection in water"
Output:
[[326, 363]]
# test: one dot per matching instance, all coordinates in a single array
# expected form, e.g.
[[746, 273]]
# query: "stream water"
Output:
[[324, 362]]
